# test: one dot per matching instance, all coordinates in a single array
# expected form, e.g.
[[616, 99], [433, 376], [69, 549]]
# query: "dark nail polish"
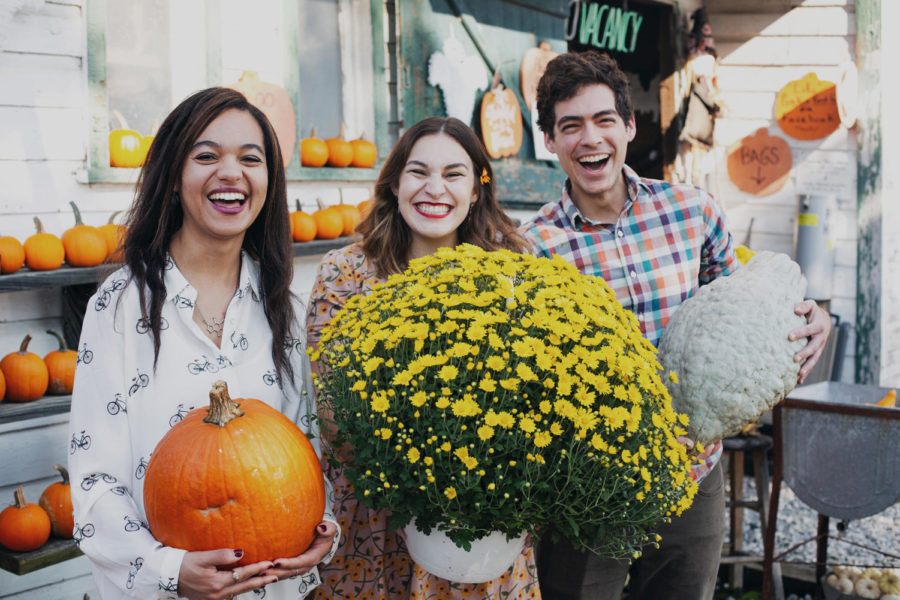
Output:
[[322, 528], [238, 553]]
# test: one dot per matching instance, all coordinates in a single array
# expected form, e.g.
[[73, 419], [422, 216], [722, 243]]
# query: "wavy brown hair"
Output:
[[156, 215], [387, 237]]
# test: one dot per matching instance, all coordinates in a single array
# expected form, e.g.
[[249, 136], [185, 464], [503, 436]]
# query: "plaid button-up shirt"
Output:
[[667, 242]]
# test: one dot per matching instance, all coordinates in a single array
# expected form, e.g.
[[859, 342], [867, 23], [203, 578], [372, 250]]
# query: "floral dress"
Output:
[[372, 560]]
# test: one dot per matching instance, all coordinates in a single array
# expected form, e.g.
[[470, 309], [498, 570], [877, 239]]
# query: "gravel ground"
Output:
[[798, 522]]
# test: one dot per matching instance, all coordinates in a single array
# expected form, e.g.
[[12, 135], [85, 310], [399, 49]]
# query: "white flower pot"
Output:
[[489, 558]]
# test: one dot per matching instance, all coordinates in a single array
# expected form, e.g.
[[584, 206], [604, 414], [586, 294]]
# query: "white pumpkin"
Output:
[[729, 347]]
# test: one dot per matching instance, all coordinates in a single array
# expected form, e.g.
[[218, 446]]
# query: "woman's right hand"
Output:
[[207, 575]]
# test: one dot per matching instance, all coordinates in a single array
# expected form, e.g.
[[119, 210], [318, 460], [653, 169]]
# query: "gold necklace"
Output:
[[215, 328]]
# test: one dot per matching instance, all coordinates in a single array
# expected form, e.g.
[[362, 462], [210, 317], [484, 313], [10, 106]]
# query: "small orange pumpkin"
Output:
[[263, 492], [26, 374], [329, 221], [365, 206], [57, 503], [275, 103], [114, 235], [351, 216], [501, 121], [43, 251], [12, 254], [23, 526], [364, 153], [340, 151], [2, 386], [313, 151], [60, 367], [303, 225], [124, 145], [85, 245]]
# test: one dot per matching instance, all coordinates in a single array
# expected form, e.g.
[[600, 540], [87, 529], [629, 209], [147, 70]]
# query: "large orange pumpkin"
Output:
[[57, 502], [26, 374], [23, 526], [329, 221], [313, 151], [237, 474], [501, 121], [85, 245], [125, 149], [12, 254], [340, 151], [364, 153], [303, 225], [60, 367], [43, 251], [114, 235], [276, 104]]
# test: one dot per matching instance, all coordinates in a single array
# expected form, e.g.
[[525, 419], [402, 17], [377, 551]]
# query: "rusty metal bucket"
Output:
[[841, 455]]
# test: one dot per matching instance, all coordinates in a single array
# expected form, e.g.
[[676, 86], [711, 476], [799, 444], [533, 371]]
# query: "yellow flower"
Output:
[[359, 385], [380, 403], [448, 373], [442, 403], [418, 399], [487, 384], [412, 455], [495, 363], [509, 384], [525, 372], [450, 492], [485, 432], [526, 424], [542, 439], [446, 447], [673, 376]]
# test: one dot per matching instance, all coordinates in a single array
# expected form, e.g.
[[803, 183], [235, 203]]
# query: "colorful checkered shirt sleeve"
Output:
[[668, 240]]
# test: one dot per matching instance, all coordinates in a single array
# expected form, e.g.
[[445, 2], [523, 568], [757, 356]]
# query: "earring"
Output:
[[175, 199]]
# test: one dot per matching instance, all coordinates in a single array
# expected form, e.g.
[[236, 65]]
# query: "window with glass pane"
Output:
[[138, 79], [320, 67]]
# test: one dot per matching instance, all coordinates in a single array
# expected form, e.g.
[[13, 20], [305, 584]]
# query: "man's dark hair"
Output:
[[568, 73]]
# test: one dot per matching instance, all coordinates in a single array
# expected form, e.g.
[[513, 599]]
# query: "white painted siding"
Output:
[[762, 46]]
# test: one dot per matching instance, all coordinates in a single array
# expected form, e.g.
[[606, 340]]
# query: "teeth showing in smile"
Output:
[[595, 158], [433, 209], [227, 197]]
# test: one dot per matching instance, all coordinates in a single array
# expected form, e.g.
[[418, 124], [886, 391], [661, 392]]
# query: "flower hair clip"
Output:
[[485, 178]]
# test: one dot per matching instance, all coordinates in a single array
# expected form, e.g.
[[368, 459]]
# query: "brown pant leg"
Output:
[[686, 564], [567, 574]]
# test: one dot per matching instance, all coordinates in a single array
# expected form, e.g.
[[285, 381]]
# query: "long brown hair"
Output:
[[387, 237], [156, 214]]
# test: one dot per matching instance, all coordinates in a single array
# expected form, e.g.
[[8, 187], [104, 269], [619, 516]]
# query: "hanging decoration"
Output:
[[760, 163], [533, 65], [807, 108], [275, 103], [501, 120], [459, 75]]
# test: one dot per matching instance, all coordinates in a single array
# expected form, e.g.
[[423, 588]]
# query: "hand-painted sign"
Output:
[[807, 108], [760, 163], [602, 26]]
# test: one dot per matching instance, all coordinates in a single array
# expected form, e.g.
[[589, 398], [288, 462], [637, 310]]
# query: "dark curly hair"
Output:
[[568, 73]]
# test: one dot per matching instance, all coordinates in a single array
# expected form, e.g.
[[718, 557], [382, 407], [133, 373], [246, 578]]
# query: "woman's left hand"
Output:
[[303, 564], [817, 328]]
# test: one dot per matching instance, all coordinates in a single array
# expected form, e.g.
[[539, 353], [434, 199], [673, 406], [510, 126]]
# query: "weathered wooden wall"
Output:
[[762, 46]]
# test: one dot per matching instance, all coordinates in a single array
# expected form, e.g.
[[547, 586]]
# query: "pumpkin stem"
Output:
[[123, 124], [341, 132], [62, 471], [299, 207], [222, 409], [154, 127], [341, 195], [19, 495], [312, 132], [112, 217], [38, 225], [321, 204], [77, 212], [62, 343], [23, 348]]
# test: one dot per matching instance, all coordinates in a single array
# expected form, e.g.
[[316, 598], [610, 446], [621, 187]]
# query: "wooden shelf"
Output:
[[42, 407], [25, 279], [56, 550]]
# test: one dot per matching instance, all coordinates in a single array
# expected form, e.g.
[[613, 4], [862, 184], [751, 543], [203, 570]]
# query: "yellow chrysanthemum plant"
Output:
[[495, 391]]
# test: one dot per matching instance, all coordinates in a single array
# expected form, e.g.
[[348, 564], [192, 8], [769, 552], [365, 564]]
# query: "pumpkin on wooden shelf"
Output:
[[364, 153], [26, 374], [124, 145], [60, 367], [43, 251], [147, 141], [340, 151], [274, 102], [57, 503], [235, 474], [24, 526], [303, 225], [12, 254], [313, 151], [329, 221], [2, 386], [114, 235], [85, 245], [351, 216]]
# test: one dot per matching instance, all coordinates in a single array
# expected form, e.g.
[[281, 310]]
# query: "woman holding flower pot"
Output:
[[435, 190]]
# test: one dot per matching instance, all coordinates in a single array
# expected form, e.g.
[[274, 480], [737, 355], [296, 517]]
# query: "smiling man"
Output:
[[655, 244]]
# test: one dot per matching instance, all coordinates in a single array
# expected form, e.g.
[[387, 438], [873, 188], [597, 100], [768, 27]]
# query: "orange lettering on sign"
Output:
[[807, 109], [760, 163]]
